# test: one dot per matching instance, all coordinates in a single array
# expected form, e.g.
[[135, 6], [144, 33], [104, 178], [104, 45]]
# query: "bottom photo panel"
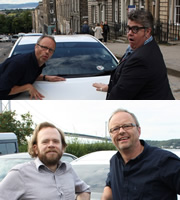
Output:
[[98, 150]]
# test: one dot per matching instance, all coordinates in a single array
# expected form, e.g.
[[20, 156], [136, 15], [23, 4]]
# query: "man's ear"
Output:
[[139, 130], [148, 32], [35, 149]]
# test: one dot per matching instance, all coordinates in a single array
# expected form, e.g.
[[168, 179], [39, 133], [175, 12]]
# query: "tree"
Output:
[[22, 128]]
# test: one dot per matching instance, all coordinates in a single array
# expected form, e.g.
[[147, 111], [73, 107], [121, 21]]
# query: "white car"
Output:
[[93, 169], [81, 59]]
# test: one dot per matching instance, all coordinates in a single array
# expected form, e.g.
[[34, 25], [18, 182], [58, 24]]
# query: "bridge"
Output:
[[78, 135]]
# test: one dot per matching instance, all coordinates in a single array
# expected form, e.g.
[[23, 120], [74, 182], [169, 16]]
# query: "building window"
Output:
[[93, 14], [177, 12], [141, 5], [115, 11]]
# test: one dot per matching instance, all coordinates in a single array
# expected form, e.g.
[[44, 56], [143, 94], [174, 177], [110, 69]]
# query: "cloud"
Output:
[[159, 120]]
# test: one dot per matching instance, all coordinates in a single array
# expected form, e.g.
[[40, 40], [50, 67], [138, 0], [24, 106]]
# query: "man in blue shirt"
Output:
[[18, 73], [139, 171]]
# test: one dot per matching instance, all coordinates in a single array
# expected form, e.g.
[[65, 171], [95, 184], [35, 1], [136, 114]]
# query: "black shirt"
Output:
[[17, 71], [153, 175]]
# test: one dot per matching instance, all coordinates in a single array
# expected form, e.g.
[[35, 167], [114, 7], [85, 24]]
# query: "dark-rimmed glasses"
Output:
[[46, 48], [134, 29], [125, 127]]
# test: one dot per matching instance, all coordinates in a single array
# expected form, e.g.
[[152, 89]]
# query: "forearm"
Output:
[[107, 194], [83, 196], [40, 77], [19, 89]]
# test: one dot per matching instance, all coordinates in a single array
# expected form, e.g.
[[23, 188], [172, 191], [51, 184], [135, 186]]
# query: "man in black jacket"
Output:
[[141, 73]]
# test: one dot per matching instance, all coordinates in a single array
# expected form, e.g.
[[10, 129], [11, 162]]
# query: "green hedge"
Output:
[[79, 149]]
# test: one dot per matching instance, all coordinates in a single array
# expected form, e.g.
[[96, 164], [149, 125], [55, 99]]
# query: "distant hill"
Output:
[[18, 6]]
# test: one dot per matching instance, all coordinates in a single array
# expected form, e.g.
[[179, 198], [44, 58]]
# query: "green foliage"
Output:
[[16, 21], [173, 143], [23, 148], [22, 128], [79, 149]]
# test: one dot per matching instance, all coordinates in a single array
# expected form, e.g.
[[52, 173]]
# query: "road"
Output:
[[5, 48], [171, 57]]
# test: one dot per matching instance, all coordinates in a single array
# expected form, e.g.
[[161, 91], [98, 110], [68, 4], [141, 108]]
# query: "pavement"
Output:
[[171, 54]]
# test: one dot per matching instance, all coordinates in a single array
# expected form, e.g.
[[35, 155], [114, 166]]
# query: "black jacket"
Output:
[[142, 76]]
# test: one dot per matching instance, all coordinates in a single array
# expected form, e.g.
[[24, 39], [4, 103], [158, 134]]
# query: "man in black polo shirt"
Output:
[[18, 73], [139, 171]]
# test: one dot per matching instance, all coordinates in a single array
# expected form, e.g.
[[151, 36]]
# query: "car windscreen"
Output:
[[72, 59], [76, 59]]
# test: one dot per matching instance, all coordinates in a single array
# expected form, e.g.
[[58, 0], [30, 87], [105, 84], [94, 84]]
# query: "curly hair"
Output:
[[142, 17]]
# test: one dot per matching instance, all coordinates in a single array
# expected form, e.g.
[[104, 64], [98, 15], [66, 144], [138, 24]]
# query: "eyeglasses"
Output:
[[125, 127], [46, 48], [134, 29]]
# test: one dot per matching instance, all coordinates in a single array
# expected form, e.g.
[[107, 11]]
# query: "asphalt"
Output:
[[171, 54]]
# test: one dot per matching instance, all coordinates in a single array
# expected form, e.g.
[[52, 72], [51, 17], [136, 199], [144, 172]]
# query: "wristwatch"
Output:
[[44, 77]]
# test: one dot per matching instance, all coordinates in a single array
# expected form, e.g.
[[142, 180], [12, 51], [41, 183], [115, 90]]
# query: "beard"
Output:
[[50, 159]]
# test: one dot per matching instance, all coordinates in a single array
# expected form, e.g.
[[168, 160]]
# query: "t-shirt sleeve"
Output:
[[108, 181], [10, 76]]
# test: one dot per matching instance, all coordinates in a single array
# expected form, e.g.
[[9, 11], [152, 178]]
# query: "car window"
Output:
[[67, 158], [93, 175], [7, 164], [21, 49], [76, 59]]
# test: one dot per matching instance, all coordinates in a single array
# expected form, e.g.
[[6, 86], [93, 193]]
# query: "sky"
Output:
[[17, 1], [159, 120]]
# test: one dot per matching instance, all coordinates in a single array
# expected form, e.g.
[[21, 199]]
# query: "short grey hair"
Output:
[[46, 36], [142, 17], [126, 111]]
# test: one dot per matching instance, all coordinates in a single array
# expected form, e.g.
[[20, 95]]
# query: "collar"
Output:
[[40, 166], [129, 50], [148, 40], [35, 60], [139, 156]]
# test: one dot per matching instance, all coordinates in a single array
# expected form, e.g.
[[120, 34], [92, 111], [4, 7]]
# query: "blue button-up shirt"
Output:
[[153, 175]]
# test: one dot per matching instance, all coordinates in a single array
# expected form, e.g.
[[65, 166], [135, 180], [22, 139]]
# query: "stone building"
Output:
[[61, 16], [38, 19], [115, 12], [71, 14]]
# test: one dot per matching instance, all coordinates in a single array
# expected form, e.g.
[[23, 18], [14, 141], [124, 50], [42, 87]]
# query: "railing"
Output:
[[166, 32], [163, 32]]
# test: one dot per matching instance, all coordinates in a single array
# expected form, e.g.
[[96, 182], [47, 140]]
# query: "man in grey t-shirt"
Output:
[[46, 177]]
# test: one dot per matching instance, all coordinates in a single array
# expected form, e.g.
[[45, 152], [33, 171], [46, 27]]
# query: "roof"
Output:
[[7, 136], [59, 38]]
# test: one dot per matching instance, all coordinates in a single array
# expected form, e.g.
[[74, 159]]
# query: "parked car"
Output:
[[93, 169], [10, 160], [14, 38], [81, 59], [5, 38]]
